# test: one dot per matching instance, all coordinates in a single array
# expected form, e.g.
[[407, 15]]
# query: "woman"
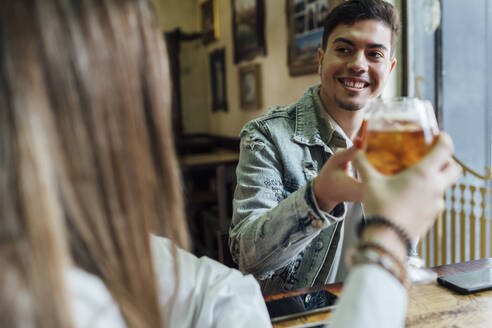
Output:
[[85, 84], [93, 76]]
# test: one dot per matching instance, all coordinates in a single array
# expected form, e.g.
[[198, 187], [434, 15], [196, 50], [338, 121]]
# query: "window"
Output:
[[451, 66]]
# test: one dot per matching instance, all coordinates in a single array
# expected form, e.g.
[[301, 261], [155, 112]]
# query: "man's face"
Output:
[[355, 64]]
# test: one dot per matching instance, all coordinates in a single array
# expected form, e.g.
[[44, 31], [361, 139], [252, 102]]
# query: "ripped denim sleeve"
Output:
[[270, 226], [252, 141]]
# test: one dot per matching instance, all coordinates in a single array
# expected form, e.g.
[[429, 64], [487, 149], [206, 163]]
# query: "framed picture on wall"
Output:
[[248, 27], [250, 91], [305, 21], [210, 21], [218, 80]]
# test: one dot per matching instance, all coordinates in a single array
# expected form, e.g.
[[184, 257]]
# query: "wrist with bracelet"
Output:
[[375, 254], [378, 220], [372, 251]]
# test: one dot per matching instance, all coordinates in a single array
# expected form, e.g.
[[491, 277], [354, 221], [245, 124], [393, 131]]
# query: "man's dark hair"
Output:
[[352, 11]]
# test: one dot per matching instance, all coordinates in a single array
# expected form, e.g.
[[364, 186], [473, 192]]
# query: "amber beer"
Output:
[[392, 151]]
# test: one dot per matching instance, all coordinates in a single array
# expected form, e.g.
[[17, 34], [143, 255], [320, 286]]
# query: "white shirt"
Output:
[[92, 305], [371, 298], [213, 295], [209, 295]]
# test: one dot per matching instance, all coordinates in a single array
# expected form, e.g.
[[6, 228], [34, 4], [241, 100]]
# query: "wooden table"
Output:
[[429, 305], [435, 306]]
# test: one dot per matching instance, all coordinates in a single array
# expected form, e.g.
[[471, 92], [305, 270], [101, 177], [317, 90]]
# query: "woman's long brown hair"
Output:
[[33, 253], [101, 68]]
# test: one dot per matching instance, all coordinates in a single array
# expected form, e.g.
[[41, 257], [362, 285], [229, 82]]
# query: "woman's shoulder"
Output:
[[92, 305], [164, 253], [204, 287], [193, 273]]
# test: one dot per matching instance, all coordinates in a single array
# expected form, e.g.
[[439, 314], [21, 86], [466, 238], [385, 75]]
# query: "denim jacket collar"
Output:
[[308, 122]]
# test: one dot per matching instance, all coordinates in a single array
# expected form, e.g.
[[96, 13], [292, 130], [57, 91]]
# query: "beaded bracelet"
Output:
[[375, 220], [373, 253]]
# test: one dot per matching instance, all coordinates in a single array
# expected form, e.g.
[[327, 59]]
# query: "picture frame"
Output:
[[218, 80], [248, 28], [305, 25], [250, 89], [210, 21]]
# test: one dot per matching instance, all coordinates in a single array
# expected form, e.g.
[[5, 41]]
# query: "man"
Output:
[[296, 204]]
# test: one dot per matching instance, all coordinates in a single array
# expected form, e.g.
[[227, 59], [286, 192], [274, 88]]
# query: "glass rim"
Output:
[[409, 109], [397, 105], [397, 99]]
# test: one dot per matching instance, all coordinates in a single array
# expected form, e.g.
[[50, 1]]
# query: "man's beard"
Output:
[[347, 106]]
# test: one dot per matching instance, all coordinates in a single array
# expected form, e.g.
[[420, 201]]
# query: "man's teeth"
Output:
[[351, 84]]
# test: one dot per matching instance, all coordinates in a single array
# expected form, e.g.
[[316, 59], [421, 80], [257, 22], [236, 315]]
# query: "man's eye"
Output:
[[376, 54], [342, 50]]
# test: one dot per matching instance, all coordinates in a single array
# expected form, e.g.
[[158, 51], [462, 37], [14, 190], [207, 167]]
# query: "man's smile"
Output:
[[353, 83]]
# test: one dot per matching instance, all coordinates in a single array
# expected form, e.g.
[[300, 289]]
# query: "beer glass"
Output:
[[396, 133]]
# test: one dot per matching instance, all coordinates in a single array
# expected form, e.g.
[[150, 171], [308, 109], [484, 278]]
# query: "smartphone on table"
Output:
[[303, 304], [468, 282]]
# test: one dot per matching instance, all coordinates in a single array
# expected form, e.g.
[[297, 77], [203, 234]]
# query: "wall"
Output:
[[177, 13], [278, 87]]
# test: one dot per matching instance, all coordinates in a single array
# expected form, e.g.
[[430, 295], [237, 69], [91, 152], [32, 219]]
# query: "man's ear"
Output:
[[320, 59], [393, 64]]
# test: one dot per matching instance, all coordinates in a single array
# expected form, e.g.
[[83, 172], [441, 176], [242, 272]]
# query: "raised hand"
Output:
[[334, 184]]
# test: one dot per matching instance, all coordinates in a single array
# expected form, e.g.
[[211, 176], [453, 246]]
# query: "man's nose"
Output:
[[358, 62]]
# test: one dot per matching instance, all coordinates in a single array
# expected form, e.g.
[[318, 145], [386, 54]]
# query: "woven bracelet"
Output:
[[377, 220], [373, 253]]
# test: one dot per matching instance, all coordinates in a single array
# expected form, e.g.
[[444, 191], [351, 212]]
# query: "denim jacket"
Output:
[[278, 233]]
